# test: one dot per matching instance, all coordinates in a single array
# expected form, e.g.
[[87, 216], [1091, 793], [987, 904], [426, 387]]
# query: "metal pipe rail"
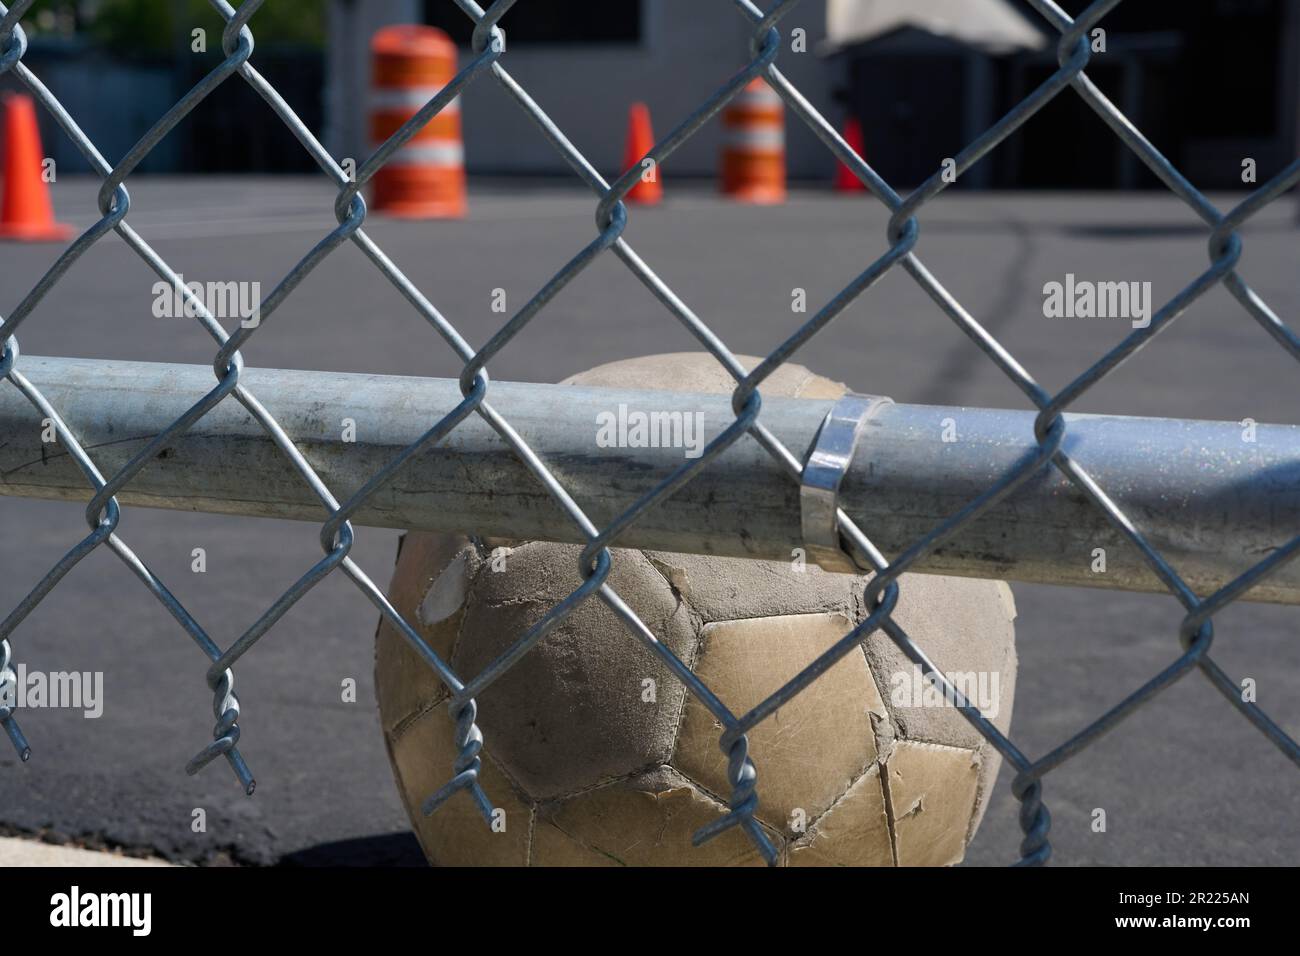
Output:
[[1211, 501]]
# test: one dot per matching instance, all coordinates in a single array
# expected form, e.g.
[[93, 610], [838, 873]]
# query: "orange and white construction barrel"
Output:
[[753, 149], [425, 178]]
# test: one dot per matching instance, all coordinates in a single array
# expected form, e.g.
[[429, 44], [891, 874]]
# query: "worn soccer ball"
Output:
[[594, 754]]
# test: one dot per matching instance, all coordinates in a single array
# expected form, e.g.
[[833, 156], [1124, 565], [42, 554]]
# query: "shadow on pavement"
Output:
[[390, 849]]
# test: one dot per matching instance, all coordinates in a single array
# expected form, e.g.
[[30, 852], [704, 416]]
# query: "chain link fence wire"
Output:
[[1195, 631]]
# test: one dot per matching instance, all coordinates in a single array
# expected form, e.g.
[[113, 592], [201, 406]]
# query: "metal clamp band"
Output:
[[824, 470]]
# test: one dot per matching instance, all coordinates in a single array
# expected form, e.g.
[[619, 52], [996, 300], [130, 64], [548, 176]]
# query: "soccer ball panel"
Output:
[[647, 820], [966, 628], [703, 374], [853, 832], [428, 589], [932, 792], [553, 847], [589, 702], [809, 751], [456, 833], [728, 589]]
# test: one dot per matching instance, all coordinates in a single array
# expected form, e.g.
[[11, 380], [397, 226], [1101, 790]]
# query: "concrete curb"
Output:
[[18, 852]]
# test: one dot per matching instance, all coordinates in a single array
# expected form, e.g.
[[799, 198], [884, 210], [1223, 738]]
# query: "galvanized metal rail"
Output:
[[1214, 497]]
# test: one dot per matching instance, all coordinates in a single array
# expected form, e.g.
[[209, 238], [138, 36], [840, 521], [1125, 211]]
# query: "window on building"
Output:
[[548, 21]]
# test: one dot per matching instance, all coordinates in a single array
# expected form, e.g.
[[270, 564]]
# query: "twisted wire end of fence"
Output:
[[9, 702], [225, 735], [467, 765], [1035, 821], [744, 801]]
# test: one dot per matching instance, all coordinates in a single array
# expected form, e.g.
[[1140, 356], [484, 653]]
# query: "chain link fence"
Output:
[[1195, 631]]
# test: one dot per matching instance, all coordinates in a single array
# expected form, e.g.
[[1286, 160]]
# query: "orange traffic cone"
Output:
[[26, 212], [753, 150], [640, 140], [845, 180]]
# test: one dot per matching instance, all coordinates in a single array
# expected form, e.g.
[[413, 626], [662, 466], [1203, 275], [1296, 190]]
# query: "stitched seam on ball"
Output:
[[812, 824], [374, 669], [399, 729], [582, 843], [412, 808], [402, 792], [986, 777], [616, 779], [947, 744], [532, 834], [883, 743], [896, 729], [697, 629], [717, 798], [442, 692], [604, 785], [681, 707], [782, 841], [807, 837], [981, 788], [474, 574], [521, 794], [889, 812]]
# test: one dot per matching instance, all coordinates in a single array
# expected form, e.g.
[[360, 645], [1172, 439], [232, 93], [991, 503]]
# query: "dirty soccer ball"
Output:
[[594, 754]]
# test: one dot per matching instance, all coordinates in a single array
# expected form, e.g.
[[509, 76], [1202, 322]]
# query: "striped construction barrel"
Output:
[[425, 178], [753, 149]]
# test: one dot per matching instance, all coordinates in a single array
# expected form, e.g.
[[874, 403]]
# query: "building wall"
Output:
[[688, 49], [83, 82], [347, 67]]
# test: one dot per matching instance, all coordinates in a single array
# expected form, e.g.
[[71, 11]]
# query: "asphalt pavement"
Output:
[[1184, 781]]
